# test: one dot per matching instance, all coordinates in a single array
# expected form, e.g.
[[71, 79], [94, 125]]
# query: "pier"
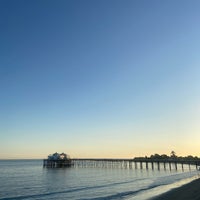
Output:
[[166, 164], [57, 160]]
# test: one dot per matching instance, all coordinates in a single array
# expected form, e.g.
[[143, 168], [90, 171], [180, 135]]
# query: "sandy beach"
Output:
[[190, 191]]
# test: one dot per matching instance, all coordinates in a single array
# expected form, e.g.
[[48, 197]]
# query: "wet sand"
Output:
[[190, 191]]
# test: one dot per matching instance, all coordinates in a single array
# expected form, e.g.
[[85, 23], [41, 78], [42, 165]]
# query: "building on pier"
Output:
[[57, 160]]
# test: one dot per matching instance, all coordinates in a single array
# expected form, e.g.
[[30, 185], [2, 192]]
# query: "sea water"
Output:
[[27, 179]]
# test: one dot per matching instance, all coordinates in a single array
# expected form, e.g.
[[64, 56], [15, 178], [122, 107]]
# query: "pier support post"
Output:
[[135, 165], [176, 166], [164, 165], [158, 163], [130, 164], [152, 165], [170, 167], [141, 165], [146, 165], [196, 165]]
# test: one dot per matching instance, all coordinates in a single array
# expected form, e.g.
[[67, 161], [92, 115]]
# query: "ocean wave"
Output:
[[122, 195], [133, 193], [159, 181], [70, 191]]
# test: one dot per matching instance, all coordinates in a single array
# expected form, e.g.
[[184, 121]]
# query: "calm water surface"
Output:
[[27, 179]]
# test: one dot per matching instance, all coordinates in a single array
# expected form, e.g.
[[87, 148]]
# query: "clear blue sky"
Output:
[[103, 78]]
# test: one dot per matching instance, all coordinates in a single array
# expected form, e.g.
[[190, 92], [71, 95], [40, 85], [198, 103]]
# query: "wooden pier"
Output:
[[63, 160], [166, 164]]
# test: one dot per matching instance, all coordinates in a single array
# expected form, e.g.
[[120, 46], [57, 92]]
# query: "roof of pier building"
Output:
[[58, 156]]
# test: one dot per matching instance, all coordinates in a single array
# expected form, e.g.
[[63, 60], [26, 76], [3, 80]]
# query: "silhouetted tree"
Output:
[[173, 154], [164, 156]]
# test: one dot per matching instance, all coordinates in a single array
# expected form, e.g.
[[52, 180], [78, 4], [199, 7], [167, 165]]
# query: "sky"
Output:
[[99, 79]]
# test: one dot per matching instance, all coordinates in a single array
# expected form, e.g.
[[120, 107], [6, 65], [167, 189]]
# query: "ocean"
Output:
[[28, 180]]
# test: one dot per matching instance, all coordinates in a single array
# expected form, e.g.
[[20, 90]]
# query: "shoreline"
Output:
[[189, 191]]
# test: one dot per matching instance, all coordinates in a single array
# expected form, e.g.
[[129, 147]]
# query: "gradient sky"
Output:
[[103, 78]]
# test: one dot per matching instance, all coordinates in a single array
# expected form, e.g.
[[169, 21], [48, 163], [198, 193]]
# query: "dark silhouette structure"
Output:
[[58, 160]]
